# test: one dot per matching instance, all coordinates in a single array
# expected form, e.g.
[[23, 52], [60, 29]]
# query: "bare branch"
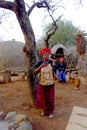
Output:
[[2, 15], [7, 5], [42, 4], [27, 5], [52, 30], [78, 3]]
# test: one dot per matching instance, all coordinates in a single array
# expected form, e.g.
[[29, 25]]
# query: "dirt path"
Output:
[[14, 96]]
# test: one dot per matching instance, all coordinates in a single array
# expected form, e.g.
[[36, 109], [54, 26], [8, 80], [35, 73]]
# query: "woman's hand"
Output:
[[41, 66]]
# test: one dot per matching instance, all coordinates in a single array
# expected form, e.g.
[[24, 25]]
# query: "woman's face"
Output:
[[46, 56], [61, 60]]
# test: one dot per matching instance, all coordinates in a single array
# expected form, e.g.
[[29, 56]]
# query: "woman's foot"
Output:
[[42, 113], [51, 116]]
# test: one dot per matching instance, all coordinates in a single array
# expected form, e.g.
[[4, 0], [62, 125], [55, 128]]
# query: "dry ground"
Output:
[[14, 96]]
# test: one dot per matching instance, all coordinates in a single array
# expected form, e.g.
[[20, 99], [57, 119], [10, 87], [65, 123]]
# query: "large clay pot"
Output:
[[6, 78], [77, 83]]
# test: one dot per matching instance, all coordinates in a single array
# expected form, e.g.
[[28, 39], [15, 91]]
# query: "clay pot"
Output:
[[77, 83], [6, 78]]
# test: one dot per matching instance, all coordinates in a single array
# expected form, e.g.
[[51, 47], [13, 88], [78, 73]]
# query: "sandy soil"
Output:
[[15, 96]]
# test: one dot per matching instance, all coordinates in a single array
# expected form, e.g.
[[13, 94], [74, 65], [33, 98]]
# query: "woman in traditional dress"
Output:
[[45, 91]]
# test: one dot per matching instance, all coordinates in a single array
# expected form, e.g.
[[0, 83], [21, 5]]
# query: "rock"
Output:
[[14, 121], [10, 116], [2, 115], [11, 126], [20, 118], [25, 125]]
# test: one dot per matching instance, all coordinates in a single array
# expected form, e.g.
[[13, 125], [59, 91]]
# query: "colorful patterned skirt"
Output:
[[45, 98]]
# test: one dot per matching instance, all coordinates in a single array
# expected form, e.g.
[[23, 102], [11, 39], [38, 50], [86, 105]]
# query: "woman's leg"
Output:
[[39, 97], [64, 77], [48, 99], [60, 76]]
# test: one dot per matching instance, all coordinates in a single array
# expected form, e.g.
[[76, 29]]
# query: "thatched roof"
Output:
[[12, 56], [56, 47], [72, 50]]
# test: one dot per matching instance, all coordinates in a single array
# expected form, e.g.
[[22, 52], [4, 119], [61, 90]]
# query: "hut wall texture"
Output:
[[12, 56]]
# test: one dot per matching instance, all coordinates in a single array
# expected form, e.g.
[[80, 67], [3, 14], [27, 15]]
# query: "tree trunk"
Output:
[[30, 44], [18, 7]]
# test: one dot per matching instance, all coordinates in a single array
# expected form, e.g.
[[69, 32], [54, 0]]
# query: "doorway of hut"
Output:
[[59, 53]]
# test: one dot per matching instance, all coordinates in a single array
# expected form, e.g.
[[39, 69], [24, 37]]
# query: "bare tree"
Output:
[[18, 7]]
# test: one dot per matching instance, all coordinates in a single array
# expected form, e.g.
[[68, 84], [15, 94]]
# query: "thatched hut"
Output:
[[69, 53], [12, 56], [59, 50]]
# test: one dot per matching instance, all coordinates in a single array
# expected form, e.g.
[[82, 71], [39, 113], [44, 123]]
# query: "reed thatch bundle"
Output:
[[82, 65], [80, 44]]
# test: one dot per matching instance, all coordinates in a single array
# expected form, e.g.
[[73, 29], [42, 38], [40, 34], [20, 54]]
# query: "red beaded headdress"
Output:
[[45, 50]]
